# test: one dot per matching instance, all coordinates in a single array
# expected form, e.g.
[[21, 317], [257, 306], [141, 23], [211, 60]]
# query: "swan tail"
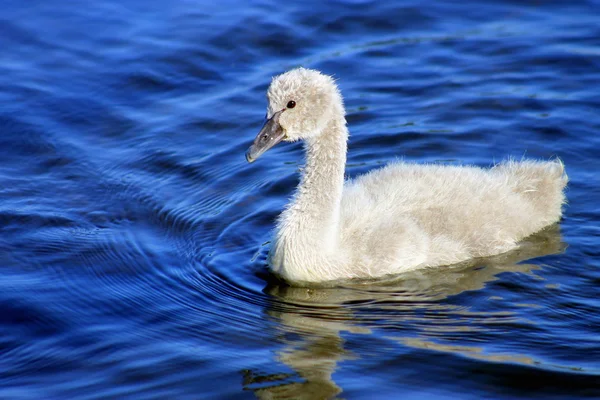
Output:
[[541, 184]]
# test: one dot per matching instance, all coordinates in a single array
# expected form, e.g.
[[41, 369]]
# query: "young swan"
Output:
[[397, 218]]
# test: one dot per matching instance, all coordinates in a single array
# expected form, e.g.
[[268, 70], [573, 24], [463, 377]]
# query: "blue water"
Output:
[[133, 234]]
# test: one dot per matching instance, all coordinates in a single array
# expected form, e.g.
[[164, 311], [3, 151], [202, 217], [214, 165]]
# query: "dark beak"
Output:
[[270, 134]]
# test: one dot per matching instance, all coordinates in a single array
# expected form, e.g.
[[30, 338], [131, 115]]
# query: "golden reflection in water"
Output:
[[310, 320]]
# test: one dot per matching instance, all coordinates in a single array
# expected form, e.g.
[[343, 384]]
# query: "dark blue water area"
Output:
[[134, 236]]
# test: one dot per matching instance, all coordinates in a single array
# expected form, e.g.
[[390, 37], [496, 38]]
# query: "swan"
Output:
[[397, 218]]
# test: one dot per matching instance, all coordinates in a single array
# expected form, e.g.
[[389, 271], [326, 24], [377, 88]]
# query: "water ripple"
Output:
[[134, 236]]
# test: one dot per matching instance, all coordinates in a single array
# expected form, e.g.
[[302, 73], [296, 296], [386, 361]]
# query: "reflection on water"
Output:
[[312, 320]]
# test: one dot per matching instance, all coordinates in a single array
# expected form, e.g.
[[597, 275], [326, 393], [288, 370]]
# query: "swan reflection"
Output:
[[411, 309]]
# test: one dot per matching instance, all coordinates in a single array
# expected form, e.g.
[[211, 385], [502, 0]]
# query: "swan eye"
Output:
[[291, 104]]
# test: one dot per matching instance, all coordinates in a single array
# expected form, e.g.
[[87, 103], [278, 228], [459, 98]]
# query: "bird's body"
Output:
[[397, 218]]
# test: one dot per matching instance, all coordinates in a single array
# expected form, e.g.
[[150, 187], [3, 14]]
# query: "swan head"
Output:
[[300, 103]]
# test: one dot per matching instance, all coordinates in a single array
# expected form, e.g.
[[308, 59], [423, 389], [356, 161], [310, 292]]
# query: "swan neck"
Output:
[[319, 194]]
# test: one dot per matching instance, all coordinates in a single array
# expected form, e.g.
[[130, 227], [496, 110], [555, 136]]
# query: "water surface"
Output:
[[133, 235]]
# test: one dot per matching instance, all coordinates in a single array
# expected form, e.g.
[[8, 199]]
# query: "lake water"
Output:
[[134, 235]]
